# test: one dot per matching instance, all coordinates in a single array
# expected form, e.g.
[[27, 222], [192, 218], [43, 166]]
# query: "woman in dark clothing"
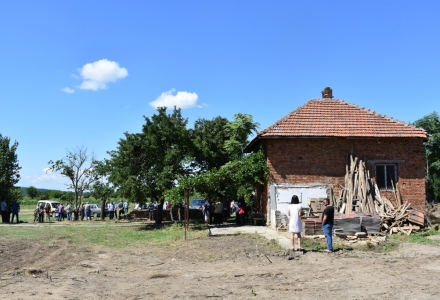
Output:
[[241, 212]]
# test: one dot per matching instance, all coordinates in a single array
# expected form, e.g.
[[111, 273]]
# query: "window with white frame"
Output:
[[386, 176]]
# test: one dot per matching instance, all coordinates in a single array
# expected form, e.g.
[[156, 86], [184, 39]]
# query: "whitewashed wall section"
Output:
[[281, 194]]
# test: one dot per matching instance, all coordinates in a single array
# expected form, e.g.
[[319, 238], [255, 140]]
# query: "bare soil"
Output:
[[226, 267]]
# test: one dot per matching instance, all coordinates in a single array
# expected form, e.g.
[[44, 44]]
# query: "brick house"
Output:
[[307, 151]]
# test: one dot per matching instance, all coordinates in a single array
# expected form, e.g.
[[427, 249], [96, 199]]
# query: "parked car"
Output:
[[96, 210], [53, 204], [197, 204]]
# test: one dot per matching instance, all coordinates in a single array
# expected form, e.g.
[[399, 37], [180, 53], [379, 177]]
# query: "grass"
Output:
[[26, 213], [417, 238], [111, 235]]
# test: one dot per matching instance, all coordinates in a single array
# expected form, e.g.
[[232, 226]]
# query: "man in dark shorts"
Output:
[[327, 223]]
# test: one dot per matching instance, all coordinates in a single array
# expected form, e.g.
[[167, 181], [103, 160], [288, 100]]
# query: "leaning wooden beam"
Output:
[[399, 197]]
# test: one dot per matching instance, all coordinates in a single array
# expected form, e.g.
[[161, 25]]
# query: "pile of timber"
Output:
[[362, 195]]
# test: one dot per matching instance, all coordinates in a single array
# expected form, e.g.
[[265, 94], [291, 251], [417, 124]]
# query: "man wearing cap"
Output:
[[327, 223]]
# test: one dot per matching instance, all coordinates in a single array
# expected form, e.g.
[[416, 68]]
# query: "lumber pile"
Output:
[[360, 194]]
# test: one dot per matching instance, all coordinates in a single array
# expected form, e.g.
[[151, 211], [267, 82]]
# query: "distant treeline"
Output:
[[40, 191]]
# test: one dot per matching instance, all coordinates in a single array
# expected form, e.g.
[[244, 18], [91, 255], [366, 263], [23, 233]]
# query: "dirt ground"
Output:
[[222, 267]]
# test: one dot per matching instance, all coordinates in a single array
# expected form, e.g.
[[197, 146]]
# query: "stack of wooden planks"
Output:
[[361, 194]]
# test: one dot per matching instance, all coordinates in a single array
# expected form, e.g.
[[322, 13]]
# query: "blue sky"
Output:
[[81, 73]]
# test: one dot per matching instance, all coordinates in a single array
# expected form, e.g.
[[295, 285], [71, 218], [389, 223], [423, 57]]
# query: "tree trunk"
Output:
[[102, 208]]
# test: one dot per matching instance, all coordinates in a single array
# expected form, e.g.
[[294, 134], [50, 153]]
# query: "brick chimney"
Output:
[[327, 93]]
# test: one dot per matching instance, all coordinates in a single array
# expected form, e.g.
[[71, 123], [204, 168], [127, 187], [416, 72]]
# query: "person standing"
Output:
[[60, 209], [295, 223], [4, 210], [151, 210], [328, 216], [111, 210], [87, 211], [120, 208], [218, 210], [41, 213], [233, 208], [47, 212], [126, 207], [206, 210], [241, 210], [69, 212], [15, 208]]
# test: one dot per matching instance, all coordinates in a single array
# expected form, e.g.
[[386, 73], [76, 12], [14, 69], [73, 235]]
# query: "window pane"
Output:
[[390, 176], [380, 176]]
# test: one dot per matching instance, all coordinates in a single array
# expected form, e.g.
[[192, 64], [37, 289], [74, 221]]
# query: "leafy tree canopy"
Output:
[[431, 123], [32, 192], [237, 173], [146, 164], [9, 168]]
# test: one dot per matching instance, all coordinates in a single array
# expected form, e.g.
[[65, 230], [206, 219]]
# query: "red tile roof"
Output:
[[337, 118]]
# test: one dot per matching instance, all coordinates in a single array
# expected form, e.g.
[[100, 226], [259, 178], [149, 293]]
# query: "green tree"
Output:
[[16, 194], [9, 168], [78, 166], [43, 196], [209, 137], [239, 131], [431, 123], [54, 194], [68, 197], [235, 174], [32, 192], [147, 164]]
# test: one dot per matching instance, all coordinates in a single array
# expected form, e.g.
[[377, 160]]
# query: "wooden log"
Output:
[[353, 161], [360, 194], [394, 194], [399, 197]]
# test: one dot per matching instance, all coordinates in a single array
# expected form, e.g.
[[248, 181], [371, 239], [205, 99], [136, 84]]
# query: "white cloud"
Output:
[[68, 90], [45, 179], [47, 174], [181, 99], [98, 74]]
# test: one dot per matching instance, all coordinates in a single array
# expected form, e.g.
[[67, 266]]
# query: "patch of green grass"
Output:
[[390, 246], [108, 235], [313, 244], [418, 238]]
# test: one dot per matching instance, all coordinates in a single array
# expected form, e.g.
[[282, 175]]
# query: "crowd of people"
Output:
[[220, 210], [44, 213], [114, 209]]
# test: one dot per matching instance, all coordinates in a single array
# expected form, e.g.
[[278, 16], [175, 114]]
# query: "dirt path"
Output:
[[220, 267]]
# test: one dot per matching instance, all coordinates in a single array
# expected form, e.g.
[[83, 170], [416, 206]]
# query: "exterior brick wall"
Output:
[[317, 160]]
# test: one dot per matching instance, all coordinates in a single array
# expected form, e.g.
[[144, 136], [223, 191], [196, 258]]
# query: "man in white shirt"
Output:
[[111, 210]]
